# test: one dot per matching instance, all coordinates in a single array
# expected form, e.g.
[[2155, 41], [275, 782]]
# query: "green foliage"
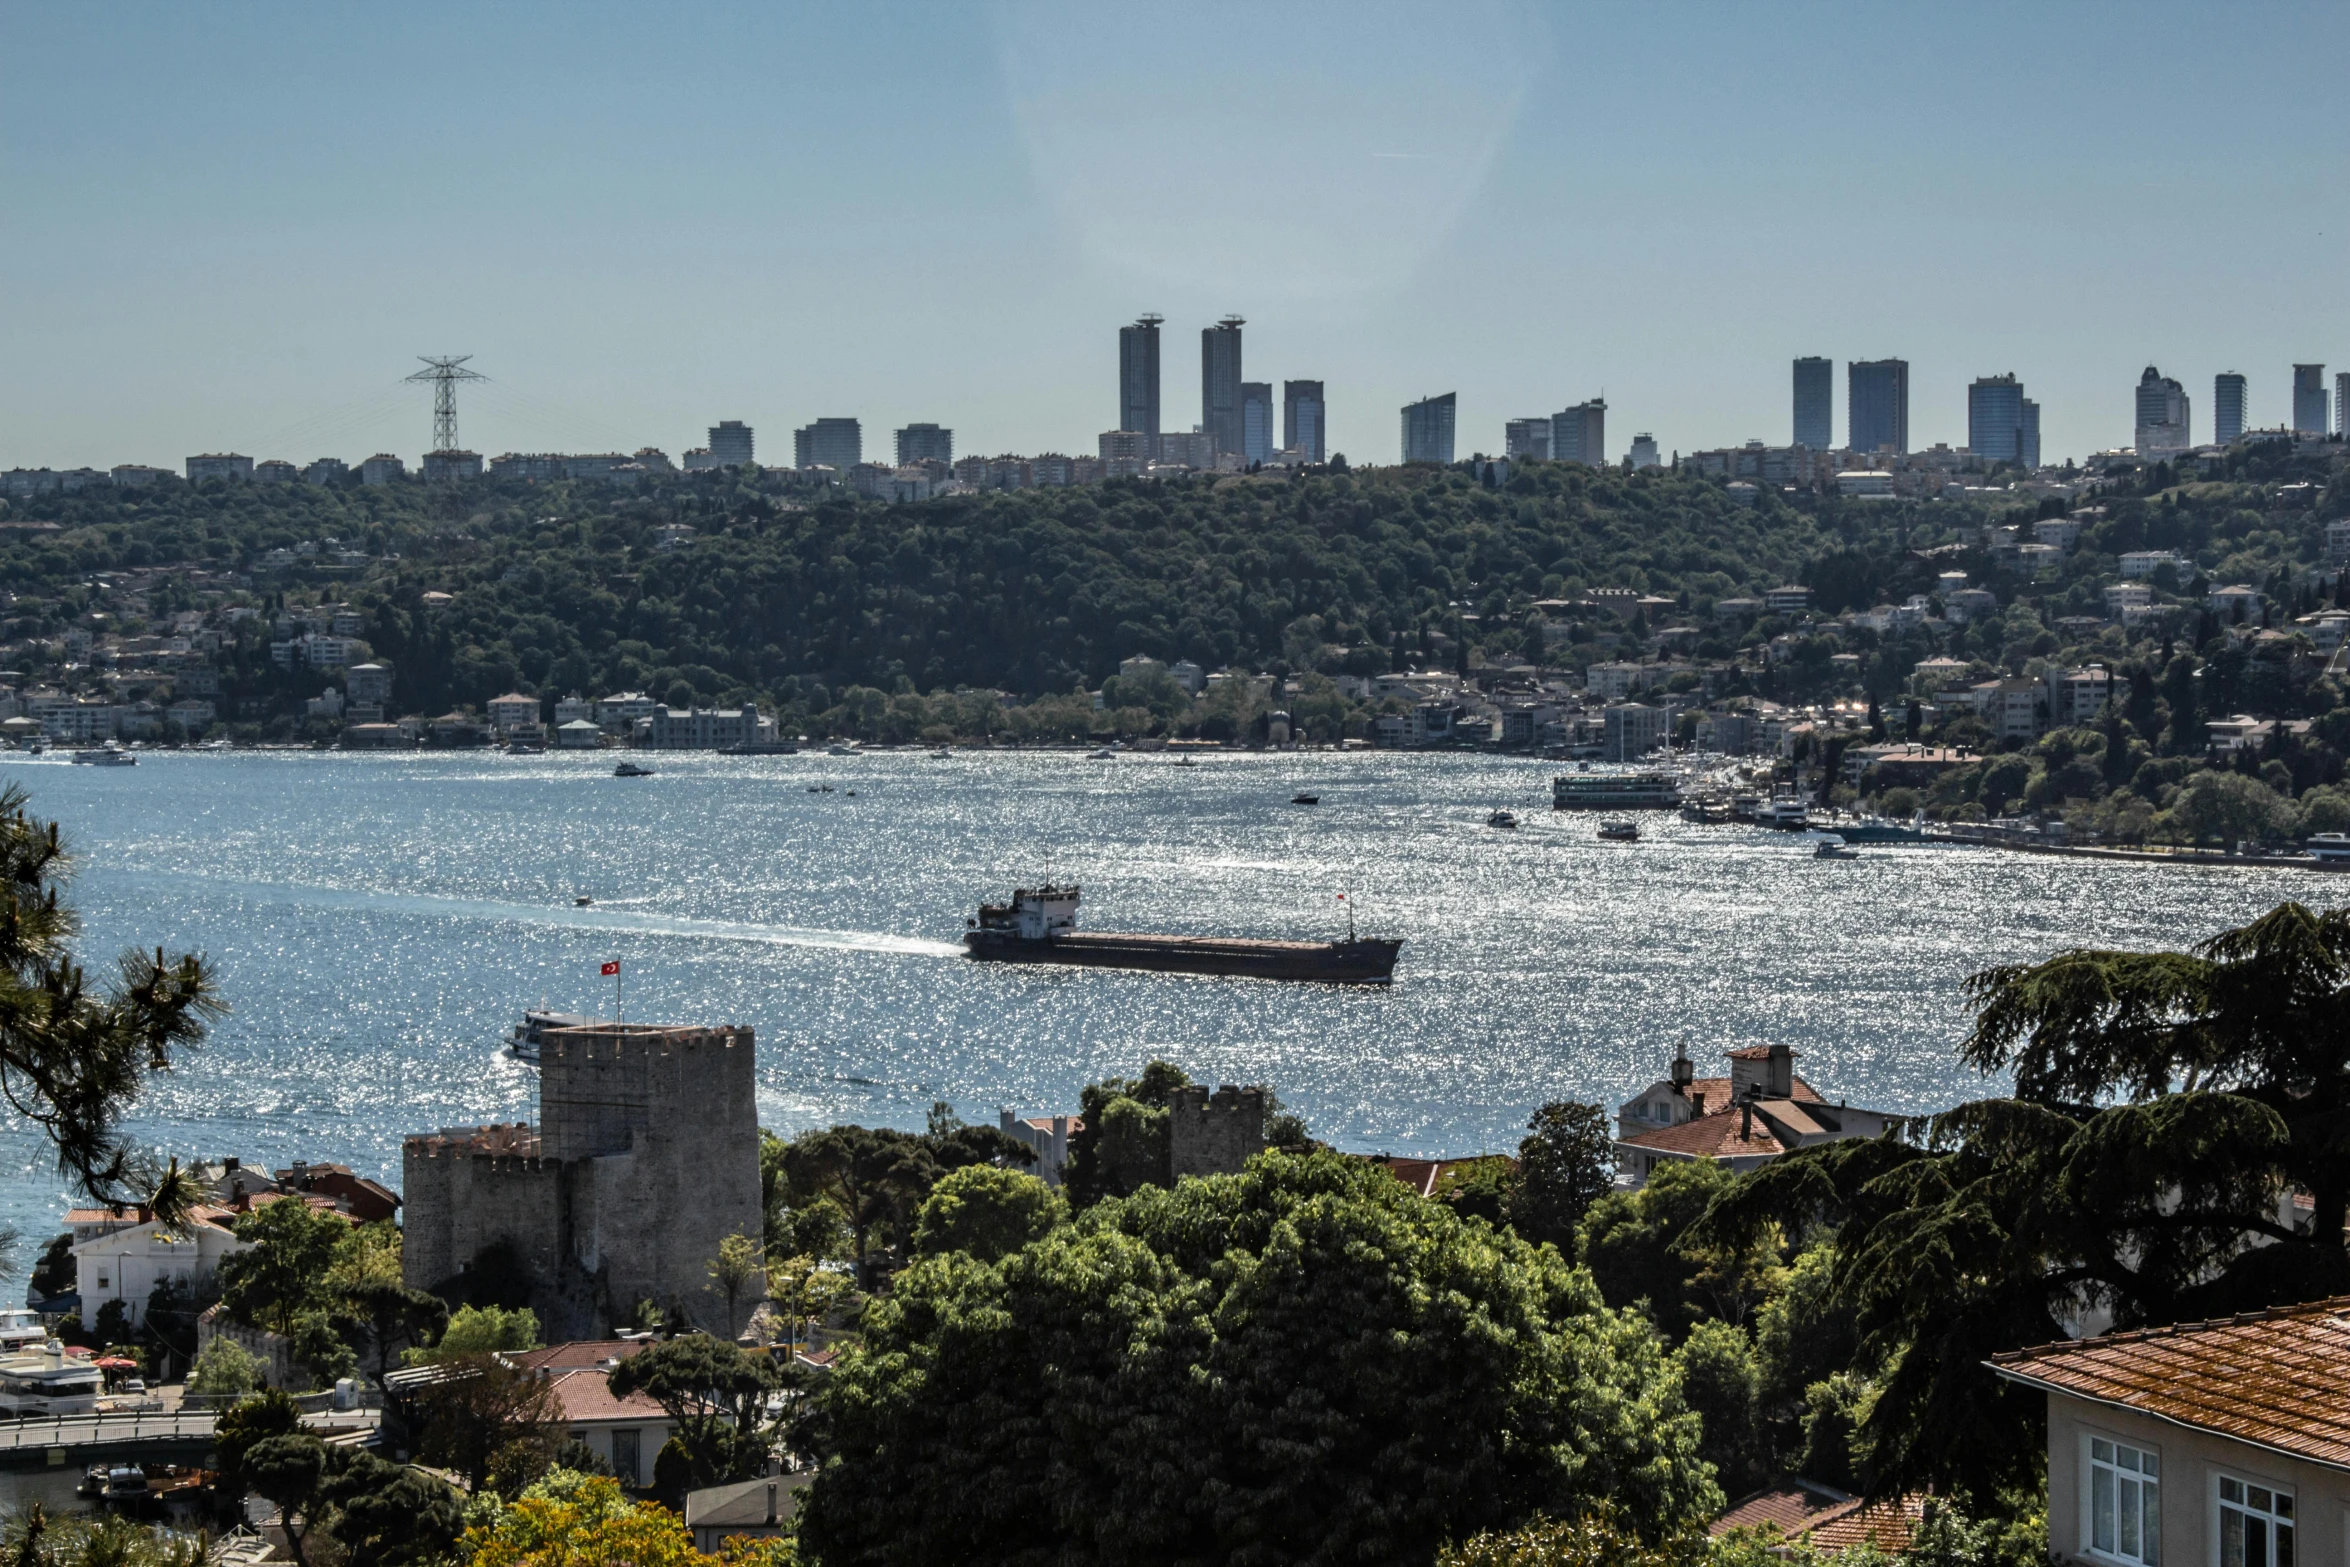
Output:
[[1835, 1440], [1721, 1377], [281, 1273], [286, 1470], [1588, 1541], [33, 1537], [390, 1515], [1638, 1247], [1122, 1145], [1348, 1370], [986, 1213], [1478, 1189], [717, 1394], [271, 1413], [1566, 1162], [224, 1370], [875, 1180], [482, 1330]]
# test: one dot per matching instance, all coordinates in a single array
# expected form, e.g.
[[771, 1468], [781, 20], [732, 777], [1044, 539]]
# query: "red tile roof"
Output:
[[1793, 1507], [1425, 1175], [574, 1356], [1829, 1521], [1717, 1091], [519, 1140], [2270, 1378], [1722, 1134], [586, 1397]]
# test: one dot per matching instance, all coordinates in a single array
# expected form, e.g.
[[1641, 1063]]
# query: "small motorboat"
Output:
[[1833, 847], [1305, 799], [1187, 761], [843, 750], [107, 755], [582, 902], [631, 770], [1105, 754], [1620, 832], [942, 754], [1502, 819]]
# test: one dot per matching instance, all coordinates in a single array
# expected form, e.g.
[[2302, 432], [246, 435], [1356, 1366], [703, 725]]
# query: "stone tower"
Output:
[[1214, 1135]]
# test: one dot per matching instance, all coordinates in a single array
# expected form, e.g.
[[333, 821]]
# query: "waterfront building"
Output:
[[513, 711], [1643, 453], [1522, 438], [622, 709], [1219, 385], [1815, 403], [707, 728], [1631, 730], [1302, 420], [2309, 400], [2162, 416], [1876, 404], [219, 465], [1579, 434], [1138, 381], [838, 444], [2227, 407], [730, 444], [1760, 1111], [120, 1257], [1256, 420], [1427, 429], [1995, 418], [925, 443]]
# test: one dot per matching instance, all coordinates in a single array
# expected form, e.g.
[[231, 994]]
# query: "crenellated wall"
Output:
[[1214, 1134]]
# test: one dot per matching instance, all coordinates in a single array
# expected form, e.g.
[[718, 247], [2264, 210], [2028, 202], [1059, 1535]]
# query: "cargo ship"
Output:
[[1039, 925]]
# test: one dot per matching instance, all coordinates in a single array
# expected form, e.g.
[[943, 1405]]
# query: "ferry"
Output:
[[21, 1330], [2332, 848], [47, 1381], [1635, 791], [1786, 814], [523, 1044], [107, 755], [1039, 925]]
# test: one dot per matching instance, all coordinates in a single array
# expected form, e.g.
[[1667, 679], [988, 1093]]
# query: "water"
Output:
[[380, 922]]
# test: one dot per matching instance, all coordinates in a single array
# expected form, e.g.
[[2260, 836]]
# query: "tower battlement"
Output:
[[1214, 1134]]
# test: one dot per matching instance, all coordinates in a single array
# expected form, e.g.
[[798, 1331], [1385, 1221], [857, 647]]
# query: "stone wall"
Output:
[[462, 1197], [1214, 1134]]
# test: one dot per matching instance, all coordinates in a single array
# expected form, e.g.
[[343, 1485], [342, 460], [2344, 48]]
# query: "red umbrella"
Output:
[[115, 1363]]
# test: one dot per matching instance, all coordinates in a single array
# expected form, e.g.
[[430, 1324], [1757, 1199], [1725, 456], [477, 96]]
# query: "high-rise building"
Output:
[[1301, 420], [1643, 453], [730, 444], [2342, 404], [2309, 399], [1525, 438], [1138, 378], [925, 443], [2162, 416], [2228, 404], [837, 444], [1219, 383], [1995, 418], [1427, 429], [1815, 403], [1579, 434], [1256, 420], [2028, 436], [1876, 404]]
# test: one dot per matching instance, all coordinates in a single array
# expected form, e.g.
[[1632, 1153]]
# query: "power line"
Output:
[[444, 371]]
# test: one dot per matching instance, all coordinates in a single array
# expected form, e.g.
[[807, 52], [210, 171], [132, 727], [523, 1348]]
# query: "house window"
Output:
[[624, 1457], [2125, 1503], [2255, 1525]]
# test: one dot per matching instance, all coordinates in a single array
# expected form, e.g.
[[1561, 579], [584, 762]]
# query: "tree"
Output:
[[986, 1213], [1479, 1189], [394, 1319], [1565, 1164], [1122, 1145], [481, 1330], [267, 1414], [1303, 1361], [803, 1290], [286, 1470], [1639, 1247], [586, 1522], [1592, 1540], [480, 1406], [739, 1266], [72, 1061], [1721, 1378], [282, 1271], [224, 1370], [874, 1179], [716, 1394], [390, 1515]]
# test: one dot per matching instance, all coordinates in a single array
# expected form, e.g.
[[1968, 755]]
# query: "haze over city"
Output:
[[235, 230]]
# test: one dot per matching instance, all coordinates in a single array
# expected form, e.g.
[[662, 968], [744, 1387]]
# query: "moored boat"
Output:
[[1039, 925], [1649, 789], [523, 1044]]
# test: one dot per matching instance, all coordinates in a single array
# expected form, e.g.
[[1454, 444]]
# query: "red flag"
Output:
[[611, 969], [1342, 897]]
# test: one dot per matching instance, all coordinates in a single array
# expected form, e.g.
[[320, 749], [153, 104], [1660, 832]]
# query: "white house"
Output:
[[120, 1256], [513, 711], [624, 1432]]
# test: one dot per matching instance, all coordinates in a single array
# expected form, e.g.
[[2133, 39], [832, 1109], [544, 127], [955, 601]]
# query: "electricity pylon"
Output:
[[444, 372]]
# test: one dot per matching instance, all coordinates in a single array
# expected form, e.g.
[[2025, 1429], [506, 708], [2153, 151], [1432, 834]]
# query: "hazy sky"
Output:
[[233, 227]]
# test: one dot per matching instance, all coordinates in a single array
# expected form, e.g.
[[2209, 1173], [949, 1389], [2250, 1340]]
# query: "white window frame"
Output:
[[2288, 1515], [2134, 1473]]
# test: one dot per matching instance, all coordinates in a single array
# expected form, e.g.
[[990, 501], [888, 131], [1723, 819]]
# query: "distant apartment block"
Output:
[[1815, 403], [1138, 379], [137, 476], [925, 443], [448, 467], [1256, 420], [1876, 404], [2162, 423], [838, 444], [730, 443], [2309, 400], [1523, 438], [1219, 383], [1428, 429], [275, 470], [2227, 406], [1579, 434], [382, 468], [2342, 404], [219, 465], [1302, 427]]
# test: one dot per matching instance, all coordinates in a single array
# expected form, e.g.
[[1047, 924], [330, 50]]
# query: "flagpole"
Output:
[[619, 1014]]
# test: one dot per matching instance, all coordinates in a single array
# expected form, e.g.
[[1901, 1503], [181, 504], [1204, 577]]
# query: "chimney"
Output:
[[1779, 1075], [1746, 1120], [771, 1502], [230, 1164], [1696, 1106]]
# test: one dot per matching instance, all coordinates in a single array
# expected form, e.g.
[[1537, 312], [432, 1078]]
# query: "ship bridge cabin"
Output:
[[1034, 914], [1761, 1110]]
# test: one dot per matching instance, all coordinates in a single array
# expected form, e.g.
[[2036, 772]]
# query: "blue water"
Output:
[[379, 923]]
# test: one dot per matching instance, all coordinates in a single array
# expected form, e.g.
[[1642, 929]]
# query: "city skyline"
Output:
[[226, 225]]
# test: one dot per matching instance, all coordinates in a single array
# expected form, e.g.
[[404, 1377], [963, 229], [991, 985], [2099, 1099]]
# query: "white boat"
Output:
[[843, 750], [21, 1330], [523, 1044], [1790, 815], [1834, 848], [631, 770], [1590, 791], [1502, 819], [2331, 847], [1105, 754], [46, 1381], [1620, 832], [107, 755]]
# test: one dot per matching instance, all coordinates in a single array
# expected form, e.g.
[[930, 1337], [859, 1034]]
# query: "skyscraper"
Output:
[[2342, 404], [2309, 399], [1427, 429], [838, 444], [2227, 406], [2028, 438], [1301, 420], [1579, 434], [2162, 416], [1643, 453], [1525, 438], [1138, 378], [1815, 403], [1876, 404], [925, 443], [1256, 420], [730, 444], [1219, 384], [1995, 418]]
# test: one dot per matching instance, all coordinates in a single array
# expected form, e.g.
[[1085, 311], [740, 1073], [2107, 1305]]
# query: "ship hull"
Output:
[[1325, 962]]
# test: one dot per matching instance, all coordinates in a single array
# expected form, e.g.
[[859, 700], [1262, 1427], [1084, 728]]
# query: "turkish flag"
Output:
[[611, 969]]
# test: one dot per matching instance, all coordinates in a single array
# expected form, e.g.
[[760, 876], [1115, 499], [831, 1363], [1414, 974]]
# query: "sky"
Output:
[[236, 226]]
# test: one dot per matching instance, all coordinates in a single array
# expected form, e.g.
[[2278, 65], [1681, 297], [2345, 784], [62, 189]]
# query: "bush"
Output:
[[986, 1213], [224, 1370]]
